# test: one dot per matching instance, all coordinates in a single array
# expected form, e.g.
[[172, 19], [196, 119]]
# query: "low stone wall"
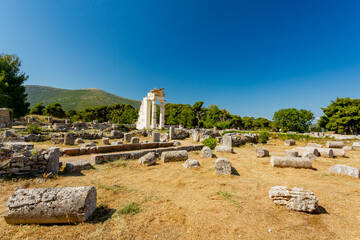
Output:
[[115, 148], [103, 158], [20, 163]]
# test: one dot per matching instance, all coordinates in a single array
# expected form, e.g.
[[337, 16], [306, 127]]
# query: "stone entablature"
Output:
[[147, 113]]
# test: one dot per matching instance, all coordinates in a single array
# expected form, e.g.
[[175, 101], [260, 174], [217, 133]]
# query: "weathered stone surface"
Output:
[[127, 137], [356, 145], [227, 141], [295, 162], [309, 156], [71, 151], [69, 139], [348, 148], [155, 137], [117, 134], [77, 166], [326, 152], [116, 143], [196, 135], [174, 156], [314, 145], [51, 205], [291, 153], [347, 170], [79, 141], [148, 160], [206, 152], [338, 152], [191, 163], [222, 166], [261, 152], [57, 140], [289, 142], [304, 150], [53, 160], [134, 140], [334, 144], [296, 199], [172, 133], [105, 141], [224, 149]]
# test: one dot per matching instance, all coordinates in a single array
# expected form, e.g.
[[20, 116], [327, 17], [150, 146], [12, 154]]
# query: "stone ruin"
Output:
[[5, 119], [145, 115]]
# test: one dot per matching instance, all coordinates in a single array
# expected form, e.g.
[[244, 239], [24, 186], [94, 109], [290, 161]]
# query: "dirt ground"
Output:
[[179, 203]]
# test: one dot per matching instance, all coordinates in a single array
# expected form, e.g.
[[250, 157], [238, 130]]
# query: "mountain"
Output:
[[74, 99]]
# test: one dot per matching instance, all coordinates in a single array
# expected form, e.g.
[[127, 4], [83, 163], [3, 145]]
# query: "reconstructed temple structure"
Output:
[[148, 110]]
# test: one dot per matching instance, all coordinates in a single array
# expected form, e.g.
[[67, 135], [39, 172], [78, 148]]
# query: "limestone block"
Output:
[[79, 141], [295, 162], [304, 150], [173, 156], [148, 159], [261, 152], [338, 152], [127, 137], [347, 170], [69, 139], [291, 153], [77, 166], [53, 160], [356, 145], [155, 137], [334, 144], [51, 205], [171, 133], [222, 166], [227, 141], [191, 163], [206, 152], [224, 149], [105, 141], [134, 140], [326, 152], [296, 199], [289, 142], [314, 145]]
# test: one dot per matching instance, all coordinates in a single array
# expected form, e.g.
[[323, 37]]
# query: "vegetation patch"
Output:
[[130, 208], [210, 142]]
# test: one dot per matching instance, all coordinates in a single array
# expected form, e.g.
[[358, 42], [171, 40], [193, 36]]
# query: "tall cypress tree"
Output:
[[12, 90]]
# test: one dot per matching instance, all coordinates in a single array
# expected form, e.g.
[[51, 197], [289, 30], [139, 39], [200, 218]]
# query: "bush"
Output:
[[210, 142], [264, 137], [33, 129]]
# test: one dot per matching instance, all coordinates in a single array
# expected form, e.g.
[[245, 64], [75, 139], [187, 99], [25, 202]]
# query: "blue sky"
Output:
[[249, 57]]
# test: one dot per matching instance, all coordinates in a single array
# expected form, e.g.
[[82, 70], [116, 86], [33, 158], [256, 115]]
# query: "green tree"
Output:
[[292, 119], [342, 116], [38, 109], [55, 110], [261, 123], [12, 91], [199, 112], [248, 122]]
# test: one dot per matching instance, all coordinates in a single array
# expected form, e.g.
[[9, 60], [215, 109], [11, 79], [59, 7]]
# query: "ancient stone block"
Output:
[[334, 144], [53, 161], [191, 163], [51, 205], [69, 139], [105, 141], [326, 152], [338, 152], [314, 145], [227, 141], [77, 166], [295, 162], [206, 152], [155, 137], [222, 166], [127, 137], [148, 160], [261, 152], [224, 149], [134, 140], [347, 170], [171, 133], [291, 153], [289, 142], [296, 199], [174, 156]]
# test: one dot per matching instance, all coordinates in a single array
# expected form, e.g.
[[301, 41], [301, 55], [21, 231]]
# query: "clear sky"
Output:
[[249, 57]]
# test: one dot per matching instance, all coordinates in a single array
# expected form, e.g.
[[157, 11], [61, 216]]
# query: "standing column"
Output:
[[148, 114], [162, 115], [153, 117]]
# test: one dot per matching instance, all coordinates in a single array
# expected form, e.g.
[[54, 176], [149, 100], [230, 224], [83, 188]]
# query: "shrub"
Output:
[[33, 129], [264, 137], [210, 142]]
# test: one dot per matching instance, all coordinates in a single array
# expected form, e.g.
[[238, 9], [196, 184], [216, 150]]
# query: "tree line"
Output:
[[341, 116]]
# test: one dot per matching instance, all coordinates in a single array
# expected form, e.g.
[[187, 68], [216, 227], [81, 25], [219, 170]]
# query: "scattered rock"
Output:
[[206, 152], [191, 163], [173, 156], [105, 141], [134, 140], [261, 152], [69, 139], [148, 159], [291, 153], [224, 149], [79, 141], [289, 142], [222, 166], [77, 166], [326, 152], [296, 199], [155, 137], [347, 170]]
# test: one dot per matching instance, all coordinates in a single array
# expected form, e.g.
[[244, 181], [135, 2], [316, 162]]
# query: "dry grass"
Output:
[[167, 201]]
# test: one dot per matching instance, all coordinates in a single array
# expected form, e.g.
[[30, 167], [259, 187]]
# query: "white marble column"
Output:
[[147, 114], [153, 116], [162, 115]]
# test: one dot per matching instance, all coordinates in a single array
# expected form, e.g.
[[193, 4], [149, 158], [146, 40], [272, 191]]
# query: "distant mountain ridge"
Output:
[[74, 99]]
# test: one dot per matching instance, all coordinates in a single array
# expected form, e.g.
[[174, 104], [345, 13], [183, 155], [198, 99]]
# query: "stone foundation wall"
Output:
[[23, 162]]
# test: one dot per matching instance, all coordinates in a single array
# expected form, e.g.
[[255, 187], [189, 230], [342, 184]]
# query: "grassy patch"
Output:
[[130, 208], [119, 163], [228, 197]]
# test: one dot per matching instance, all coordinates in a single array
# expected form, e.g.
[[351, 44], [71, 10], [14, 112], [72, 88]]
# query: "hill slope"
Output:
[[74, 99]]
